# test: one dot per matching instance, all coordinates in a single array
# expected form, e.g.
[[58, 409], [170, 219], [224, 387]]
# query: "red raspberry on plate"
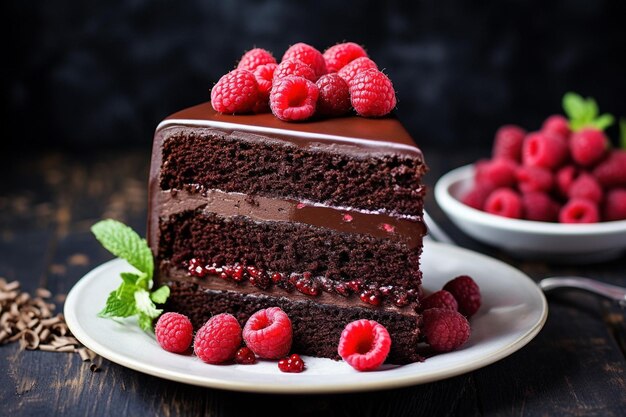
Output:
[[543, 150], [466, 292], [538, 206], [245, 356], [309, 55], [534, 179], [588, 146], [579, 211], [174, 332], [504, 202], [268, 333], [218, 340], [338, 56], [293, 67], [477, 196], [508, 143], [334, 96], [445, 330], [565, 178], [364, 344], [293, 98], [353, 68], [615, 205], [372, 94], [557, 125], [255, 57], [586, 187], [612, 171], [235, 92], [291, 364], [497, 172], [440, 299]]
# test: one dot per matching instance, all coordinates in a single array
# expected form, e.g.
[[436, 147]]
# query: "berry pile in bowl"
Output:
[[306, 84], [558, 193]]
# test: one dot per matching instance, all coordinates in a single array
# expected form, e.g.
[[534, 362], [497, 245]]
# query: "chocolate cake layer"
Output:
[[287, 247], [316, 327], [252, 164]]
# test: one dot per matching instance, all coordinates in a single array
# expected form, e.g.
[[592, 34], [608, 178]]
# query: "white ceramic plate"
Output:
[[513, 312], [569, 243]]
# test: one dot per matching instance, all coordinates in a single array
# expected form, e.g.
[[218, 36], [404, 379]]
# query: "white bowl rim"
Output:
[[449, 203]]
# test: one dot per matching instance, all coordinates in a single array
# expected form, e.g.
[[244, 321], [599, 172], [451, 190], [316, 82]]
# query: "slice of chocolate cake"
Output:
[[322, 219]]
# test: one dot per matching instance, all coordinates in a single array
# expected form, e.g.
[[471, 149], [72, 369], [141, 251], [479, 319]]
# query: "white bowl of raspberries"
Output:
[[558, 193]]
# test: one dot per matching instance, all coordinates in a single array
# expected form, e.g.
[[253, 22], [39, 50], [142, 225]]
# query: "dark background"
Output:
[[101, 74]]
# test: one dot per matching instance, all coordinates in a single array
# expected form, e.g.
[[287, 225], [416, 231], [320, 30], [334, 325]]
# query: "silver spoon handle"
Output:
[[612, 292]]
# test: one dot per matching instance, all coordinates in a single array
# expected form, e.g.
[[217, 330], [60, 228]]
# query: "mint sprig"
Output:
[[133, 297], [584, 112]]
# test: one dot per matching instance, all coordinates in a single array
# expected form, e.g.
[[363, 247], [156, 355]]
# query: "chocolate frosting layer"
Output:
[[407, 229]]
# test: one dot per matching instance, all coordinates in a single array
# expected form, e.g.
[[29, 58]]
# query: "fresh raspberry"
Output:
[[557, 125], [440, 299], [174, 332], [291, 364], [504, 202], [255, 57], [477, 196], [372, 94], [293, 98], [364, 344], [466, 292], [611, 172], [268, 333], [588, 146], [497, 172], [235, 92], [586, 187], [508, 143], [565, 178], [293, 67], [445, 330], [353, 68], [338, 56], [334, 97], [543, 150], [534, 179], [615, 205], [540, 207], [579, 211], [309, 55], [218, 340], [245, 356], [264, 75]]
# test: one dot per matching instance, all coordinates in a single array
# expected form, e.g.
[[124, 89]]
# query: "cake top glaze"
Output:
[[385, 132]]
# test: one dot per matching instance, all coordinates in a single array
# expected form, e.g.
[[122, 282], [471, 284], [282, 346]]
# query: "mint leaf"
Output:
[[133, 296], [603, 121], [124, 242], [118, 306], [145, 322], [160, 296], [622, 133], [130, 278], [144, 304], [584, 113], [574, 106]]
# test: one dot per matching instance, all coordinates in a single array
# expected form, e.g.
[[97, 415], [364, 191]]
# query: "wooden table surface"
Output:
[[574, 367]]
